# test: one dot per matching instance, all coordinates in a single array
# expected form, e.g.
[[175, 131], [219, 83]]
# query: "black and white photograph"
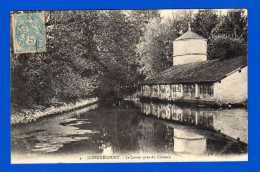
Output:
[[165, 85]]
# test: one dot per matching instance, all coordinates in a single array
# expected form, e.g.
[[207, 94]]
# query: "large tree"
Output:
[[155, 47], [68, 70], [229, 37], [118, 34], [233, 24], [203, 22]]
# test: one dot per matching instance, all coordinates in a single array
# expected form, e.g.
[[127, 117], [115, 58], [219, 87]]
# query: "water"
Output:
[[130, 129]]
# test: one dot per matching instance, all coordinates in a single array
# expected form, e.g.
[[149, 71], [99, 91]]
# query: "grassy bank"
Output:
[[24, 116]]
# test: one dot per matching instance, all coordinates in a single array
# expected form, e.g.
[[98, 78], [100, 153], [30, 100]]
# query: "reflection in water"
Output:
[[189, 142], [110, 130], [232, 122], [50, 134], [182, 114]]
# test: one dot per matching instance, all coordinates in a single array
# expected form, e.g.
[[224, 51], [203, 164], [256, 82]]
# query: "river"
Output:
[[179, 133]]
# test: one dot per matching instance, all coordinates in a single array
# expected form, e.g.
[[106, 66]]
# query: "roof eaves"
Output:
[[234, 71]]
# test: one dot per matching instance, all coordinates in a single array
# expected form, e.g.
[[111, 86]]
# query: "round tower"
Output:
[[189, 48]]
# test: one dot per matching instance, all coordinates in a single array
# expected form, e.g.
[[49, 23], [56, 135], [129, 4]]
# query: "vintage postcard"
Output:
[[129, 86]]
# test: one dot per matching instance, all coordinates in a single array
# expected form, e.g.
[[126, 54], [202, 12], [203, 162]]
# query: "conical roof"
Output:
[[189, 35]]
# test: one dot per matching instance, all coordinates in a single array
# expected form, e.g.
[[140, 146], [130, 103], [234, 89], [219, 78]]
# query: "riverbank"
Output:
[[25, 116]]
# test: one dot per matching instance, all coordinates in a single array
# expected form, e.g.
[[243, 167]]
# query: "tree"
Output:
[[203, 22], [88, 53], [223, 47], [234, 24], [117, 37], [76, 69], [68, 70], [156, 46], [229, 37]]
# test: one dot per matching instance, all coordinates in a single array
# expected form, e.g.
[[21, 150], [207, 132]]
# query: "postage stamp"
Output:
[[29, 33]]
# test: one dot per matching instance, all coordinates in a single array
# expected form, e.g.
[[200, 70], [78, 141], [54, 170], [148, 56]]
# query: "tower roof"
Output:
[[189, 35]]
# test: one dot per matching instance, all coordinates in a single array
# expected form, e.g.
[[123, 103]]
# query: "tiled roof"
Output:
[[189, 35], [208, 71]]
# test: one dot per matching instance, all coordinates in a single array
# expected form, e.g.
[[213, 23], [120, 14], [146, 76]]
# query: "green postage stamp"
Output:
[[29, 33]]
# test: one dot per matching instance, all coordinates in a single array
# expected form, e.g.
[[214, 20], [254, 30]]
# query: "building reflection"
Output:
[[186, 115], [162, 138], [231, 122], [189, 142], [155, 136], [138, 133]]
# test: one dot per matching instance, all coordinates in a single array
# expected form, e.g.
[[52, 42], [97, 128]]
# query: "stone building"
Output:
[[194, 77]]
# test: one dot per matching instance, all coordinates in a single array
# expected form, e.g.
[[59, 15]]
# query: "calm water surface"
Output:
[[127, 128]]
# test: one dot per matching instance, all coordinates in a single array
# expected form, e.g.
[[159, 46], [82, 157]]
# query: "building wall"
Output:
[[189, 51], [233, 88], [165, 92]]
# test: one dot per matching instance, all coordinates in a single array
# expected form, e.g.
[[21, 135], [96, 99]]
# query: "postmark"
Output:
[[29, 33]]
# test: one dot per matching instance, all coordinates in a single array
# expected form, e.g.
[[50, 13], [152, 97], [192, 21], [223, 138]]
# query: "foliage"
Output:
[[75, 69], [67, 71], [155, 47], [102, 53], [222, 47], [117, 37], [29, 80], [229, 37], [203, 22], [89, 53], [226, 34], [234, 24]]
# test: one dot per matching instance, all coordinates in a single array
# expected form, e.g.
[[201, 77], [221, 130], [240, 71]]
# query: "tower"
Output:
[[189, 48]]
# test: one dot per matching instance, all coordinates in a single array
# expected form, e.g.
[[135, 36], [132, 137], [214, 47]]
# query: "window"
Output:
[[206, 90], [155, 90], [147, 90], [179, 88], [189, 90], [176, 88], [162, 88]]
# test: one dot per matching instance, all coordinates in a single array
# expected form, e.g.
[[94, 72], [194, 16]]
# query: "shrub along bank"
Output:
[[25, 116]]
